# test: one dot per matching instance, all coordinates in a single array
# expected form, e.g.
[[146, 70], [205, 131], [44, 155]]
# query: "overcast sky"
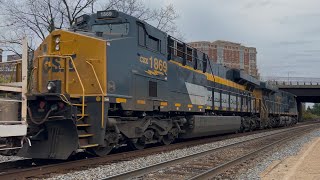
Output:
[[286, 33]]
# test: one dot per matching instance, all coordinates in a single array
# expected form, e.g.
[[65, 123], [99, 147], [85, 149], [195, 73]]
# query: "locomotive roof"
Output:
[[85, 22]]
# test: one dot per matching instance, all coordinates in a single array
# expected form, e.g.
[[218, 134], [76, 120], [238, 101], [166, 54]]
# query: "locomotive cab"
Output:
[[69, 78], [80, 75]]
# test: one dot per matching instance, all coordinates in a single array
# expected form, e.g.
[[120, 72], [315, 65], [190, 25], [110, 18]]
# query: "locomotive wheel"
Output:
[[253, 125], [102, 151], [139, 144], [170, 137], [167, 139], [111, 139], [245, 125]]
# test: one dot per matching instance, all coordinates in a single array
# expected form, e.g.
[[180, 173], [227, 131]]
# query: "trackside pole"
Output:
[[24, 86]]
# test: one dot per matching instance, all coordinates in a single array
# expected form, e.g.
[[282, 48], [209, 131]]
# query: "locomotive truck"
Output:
[[112, 80]]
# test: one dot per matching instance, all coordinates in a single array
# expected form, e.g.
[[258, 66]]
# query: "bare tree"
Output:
[[12, 42], [134, 8], [163, 18], [37, 18], [72, 9], [41, 17]]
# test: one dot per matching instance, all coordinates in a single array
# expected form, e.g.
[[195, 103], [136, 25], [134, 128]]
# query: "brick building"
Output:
[[14, 57], [230, 54]]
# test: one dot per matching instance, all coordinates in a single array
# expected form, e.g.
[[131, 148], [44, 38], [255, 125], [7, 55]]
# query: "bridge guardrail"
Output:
[[292, 81]]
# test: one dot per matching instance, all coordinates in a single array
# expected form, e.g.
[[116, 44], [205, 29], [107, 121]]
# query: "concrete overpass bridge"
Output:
[[306, 89]]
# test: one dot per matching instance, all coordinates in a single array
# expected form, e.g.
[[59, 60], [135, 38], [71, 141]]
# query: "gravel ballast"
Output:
[[9, 158], [104, 171], [289, 149]]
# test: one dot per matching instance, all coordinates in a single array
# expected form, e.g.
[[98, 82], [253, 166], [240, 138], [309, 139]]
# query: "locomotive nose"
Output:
[[66, 64]]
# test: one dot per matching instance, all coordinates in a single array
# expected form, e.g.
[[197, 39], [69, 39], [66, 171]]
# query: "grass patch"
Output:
[[308, 116]]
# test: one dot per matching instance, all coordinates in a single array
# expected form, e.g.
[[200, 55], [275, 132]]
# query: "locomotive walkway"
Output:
[[305, 165]]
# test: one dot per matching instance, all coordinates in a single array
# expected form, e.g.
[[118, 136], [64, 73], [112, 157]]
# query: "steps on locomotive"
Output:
[[83, 124], [79, 105]]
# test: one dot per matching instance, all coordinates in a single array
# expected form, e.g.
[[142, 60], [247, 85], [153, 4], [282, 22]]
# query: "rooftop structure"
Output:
[[230, 54]]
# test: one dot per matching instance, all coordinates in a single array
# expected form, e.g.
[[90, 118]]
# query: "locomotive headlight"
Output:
[[51, 86], [57, 48], [54, 86], [57, 40]]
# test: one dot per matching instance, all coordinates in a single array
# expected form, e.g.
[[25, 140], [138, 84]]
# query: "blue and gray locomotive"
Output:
[[113, 80]]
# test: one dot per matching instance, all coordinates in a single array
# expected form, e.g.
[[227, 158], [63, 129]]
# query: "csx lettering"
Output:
[[54, 65], [155, 63], [144, 60]]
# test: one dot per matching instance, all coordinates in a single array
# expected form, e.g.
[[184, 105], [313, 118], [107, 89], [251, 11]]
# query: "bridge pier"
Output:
[[300, 111]]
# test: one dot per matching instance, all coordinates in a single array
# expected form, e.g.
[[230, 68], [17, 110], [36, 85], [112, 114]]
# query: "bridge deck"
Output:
[[298, 86]]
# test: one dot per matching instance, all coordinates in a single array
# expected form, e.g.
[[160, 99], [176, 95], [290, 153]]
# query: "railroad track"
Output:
[[28, 168], [208, 164]]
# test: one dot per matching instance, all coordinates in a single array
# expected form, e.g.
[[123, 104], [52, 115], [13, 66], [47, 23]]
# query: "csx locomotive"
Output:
[[113, 80]]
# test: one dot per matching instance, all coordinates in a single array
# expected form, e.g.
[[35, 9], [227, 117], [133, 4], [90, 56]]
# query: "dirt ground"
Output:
[[305, 165]]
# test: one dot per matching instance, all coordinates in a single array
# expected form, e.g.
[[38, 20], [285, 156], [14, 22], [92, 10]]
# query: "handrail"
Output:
[[95, 74], [78, 75], [102, 94]]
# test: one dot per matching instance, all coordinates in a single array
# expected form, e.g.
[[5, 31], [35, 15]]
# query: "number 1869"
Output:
[[155, 63]]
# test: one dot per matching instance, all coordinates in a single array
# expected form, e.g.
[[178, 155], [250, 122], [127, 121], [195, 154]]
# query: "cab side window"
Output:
[[154, 43], [141, 35], [150, 40]]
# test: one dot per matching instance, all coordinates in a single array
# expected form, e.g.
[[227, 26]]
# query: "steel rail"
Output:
[[223, 167], [9, 169], [149, 169]]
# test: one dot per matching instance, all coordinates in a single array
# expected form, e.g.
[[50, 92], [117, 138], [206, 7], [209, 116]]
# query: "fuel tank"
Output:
[[198, 126]]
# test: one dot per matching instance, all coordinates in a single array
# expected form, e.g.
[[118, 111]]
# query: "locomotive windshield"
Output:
[[112, 29]]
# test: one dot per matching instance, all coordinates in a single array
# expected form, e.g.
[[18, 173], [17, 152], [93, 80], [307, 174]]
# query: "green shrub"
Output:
[[308, 116], [4, 79]]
